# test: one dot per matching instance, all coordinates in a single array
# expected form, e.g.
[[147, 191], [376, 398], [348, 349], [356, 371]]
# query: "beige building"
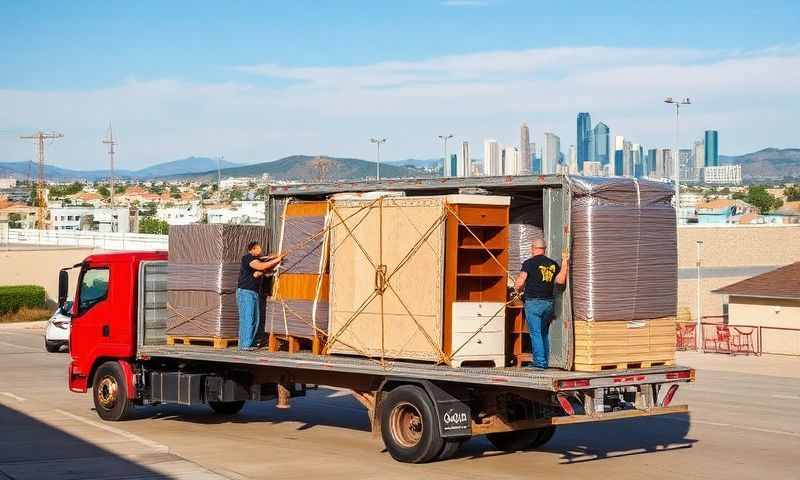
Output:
[[770, 302]]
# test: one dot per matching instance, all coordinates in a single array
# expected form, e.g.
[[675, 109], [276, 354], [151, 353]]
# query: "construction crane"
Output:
[[38, 153], [111, 144]]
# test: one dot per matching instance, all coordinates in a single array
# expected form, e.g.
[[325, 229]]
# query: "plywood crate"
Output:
[[616, 345]]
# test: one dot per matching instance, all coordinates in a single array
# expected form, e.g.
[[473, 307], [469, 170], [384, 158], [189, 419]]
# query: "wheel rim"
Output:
[[406, 424], [107, 392]]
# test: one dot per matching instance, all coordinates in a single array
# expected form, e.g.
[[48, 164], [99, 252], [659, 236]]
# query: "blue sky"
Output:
[[258, 80]]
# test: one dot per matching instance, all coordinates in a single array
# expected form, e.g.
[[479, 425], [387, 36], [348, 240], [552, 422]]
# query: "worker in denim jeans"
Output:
[[248, 292], [538, 276]]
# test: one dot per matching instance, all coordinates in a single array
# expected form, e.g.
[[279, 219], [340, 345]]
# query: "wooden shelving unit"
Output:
[[519, 340], [471, 275]]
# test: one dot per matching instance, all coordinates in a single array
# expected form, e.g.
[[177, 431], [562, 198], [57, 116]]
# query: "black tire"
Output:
[[408, 425], [450, 448], [521, 439], [110, 393], [226, 408], [52, 347]]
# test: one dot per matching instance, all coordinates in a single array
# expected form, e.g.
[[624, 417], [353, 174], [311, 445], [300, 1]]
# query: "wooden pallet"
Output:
[[294, 344], [620, 345], [216, 342]]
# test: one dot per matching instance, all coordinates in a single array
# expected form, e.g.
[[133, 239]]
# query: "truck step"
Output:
[[216, 342], [295, 344], [601, 367]]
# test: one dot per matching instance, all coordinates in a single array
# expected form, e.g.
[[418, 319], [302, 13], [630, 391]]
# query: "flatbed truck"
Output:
[[422, 412]]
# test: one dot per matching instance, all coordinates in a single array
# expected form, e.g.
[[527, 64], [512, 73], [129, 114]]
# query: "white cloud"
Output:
[[751, 97]]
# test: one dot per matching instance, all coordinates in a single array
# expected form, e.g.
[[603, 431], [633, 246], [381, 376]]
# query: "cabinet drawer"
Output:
[[477, 309], [471, 316], [484, 343]]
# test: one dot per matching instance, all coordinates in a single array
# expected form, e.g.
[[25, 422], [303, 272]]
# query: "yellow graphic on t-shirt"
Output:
[[547, 272]]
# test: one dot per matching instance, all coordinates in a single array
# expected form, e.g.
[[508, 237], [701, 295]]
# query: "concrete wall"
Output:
[[40, 267], [765, 312], [730, 253]]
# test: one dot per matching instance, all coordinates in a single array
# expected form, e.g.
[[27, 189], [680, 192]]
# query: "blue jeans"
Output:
[[247, 301], [538, 313]]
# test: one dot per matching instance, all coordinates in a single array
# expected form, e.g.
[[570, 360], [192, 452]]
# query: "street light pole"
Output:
[[676, 153], [444, 139], [378, 142], [699, 328]]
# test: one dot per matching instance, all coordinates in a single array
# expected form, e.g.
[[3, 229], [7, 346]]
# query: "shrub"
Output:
[[14, 297]]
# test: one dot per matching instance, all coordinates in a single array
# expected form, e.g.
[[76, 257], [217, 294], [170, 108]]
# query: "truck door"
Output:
[[92, 312]]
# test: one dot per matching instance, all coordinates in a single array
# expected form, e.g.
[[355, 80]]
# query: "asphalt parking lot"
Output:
[[743, 424]]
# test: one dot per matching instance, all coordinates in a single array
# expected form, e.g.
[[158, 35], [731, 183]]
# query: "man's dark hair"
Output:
[[252, 245]]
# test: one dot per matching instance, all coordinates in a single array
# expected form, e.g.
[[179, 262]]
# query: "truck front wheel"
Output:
[[110, 393], [408, 425], [521, 439]]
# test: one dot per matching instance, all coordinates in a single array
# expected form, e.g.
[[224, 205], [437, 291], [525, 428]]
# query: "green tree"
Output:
[[236, 195], [157, 189], [153, 225], [14, 220], [103, 191], [792, 193], [760, 198], [149, 209]]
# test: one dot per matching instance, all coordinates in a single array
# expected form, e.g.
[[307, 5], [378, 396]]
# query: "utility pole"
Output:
[[111, 143], [219, 179], [38, 153], [699, 328], [676, 153], [378, 142], [444, 139]]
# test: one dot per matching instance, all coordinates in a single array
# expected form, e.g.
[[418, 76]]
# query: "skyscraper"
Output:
[[491, 158], [550, 153], [711, 148], [600, 143], [698, 158], [619, 164], [627, 159], [650, 166], [524, 149], [454, 165], [511, 161], [685, 163], [637, 151], [572, 160], [583, 138], [465, 163]]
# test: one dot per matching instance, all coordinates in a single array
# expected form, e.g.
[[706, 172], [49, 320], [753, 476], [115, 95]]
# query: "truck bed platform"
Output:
[[553, 380]]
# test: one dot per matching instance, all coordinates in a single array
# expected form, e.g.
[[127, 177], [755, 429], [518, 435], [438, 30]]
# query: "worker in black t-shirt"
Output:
[[248, 290], [538, 277]]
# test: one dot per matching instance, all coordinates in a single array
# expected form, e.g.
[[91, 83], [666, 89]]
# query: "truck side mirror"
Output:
[[63, 287]]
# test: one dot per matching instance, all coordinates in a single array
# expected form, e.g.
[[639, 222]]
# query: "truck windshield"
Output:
[[93, 288]]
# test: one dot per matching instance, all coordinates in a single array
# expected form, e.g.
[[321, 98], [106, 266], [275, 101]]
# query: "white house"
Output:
[[90, 218]]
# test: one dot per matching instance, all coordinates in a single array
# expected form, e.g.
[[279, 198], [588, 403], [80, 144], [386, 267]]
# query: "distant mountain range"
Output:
[[767, 164], [305, 168], [176, 167]]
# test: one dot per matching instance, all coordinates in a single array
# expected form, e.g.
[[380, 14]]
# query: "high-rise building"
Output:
[[627, 159], [453, 165], [583, 138], [698, 158], [593, 169], [664, 166], [600, 143], [637, 152], [550, 153], [492, 165], [465, 163], [711, 149], [723, 175], [619, 164], [525, 149], [650, 166], [572, 160], [511, 161], [685, 163]]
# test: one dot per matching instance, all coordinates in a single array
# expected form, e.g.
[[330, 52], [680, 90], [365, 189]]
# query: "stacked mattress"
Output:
[[203, 270]]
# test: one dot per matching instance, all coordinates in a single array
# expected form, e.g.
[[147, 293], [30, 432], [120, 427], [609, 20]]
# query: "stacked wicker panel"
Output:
[[298, 307], [202, 274]]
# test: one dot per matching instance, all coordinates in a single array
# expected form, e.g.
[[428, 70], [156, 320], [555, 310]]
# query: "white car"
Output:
[[57, 333]]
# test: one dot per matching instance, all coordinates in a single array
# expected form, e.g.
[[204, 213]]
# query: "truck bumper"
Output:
[[76, 379]]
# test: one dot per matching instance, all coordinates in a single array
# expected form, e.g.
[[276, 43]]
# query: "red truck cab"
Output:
[[104, 314]]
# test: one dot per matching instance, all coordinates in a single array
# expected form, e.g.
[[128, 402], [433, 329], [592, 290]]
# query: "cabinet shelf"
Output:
[[482, 275], [478, 247]]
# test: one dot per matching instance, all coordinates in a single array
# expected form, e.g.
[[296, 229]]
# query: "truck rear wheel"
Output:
[[521, 439], [408, 425], [110, 393], [226, 408]]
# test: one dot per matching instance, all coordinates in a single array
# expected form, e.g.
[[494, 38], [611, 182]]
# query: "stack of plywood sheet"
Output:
[[623, 344], [298, 308]]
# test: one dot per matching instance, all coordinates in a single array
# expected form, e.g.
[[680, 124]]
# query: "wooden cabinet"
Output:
[[476, 263]]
